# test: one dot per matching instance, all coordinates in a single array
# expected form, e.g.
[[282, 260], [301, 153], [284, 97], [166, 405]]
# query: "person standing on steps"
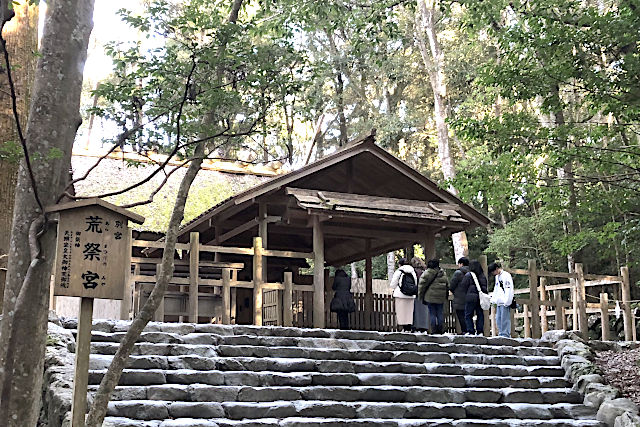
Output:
[[342, 303], [502, 297], [459, 293], [405, 287], [433, 290], [472, 297], [419, 309]]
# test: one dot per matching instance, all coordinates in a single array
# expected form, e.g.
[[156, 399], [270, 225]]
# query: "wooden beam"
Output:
[[318, 274], [287, 297], [604, 315], [629, 327], [374, 251], [581, 298], [127, 299], [226, 296], [368, 297], [238, 230], [194, 275], [257, 281], [536, 330]]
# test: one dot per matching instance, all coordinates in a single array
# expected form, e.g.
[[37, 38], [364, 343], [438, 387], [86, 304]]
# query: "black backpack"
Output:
[[408, 285]]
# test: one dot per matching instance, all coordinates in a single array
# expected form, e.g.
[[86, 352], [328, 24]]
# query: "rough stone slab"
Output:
[[128, 422], [192, 362], [196, 409], [189, 422], [173, 392], [188, 376], [208, 393], [611, 409], [270, 394], [596, 393], [137, 409], [241, 410]]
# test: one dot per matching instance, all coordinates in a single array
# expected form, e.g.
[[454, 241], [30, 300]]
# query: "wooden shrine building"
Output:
[[354, 204]]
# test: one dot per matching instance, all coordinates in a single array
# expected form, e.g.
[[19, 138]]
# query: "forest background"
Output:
[[527, 110]]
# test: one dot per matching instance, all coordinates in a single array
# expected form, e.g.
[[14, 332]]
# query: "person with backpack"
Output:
[[342, 303], [502, 297], [420, 317], [471, 281], [433, 289], [405, 288], [459, 293]]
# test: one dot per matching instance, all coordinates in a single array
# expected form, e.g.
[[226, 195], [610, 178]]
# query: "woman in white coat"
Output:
[[404, 303]]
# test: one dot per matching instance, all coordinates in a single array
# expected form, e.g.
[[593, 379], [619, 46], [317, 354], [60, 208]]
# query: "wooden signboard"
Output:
[[93, 253]]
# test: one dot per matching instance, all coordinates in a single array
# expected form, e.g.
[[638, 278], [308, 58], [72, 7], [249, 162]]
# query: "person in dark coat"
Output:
[[433, 290], [472, 298], [342, 303], [419, 309], [459, 294]]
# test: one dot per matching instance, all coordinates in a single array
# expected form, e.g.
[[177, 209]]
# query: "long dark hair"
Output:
[[476, 267], [340, 273]]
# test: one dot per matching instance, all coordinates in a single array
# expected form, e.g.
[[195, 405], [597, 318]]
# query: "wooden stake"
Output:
[[581, 302], [544, 323], [368, 297], [287, 309], [604, 315], [83, 349], [226, 296], [194, 272], [159, 314], [626, 306], [534, 305], [527, 322], [318, 274], [127, 299], [257, 281], [561, 318]]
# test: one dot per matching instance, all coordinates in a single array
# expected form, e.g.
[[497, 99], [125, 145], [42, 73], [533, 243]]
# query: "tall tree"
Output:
[[42, 176]]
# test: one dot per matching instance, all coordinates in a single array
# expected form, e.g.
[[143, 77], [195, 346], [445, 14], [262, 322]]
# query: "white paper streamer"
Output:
[[618, 311]]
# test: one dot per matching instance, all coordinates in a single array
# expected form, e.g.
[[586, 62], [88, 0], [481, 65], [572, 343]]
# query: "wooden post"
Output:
[[626, 306], [512, 315], [159, 314], [544, 323], [561, 318], [257, 281], [194, 272], [494, 324], [583, 327], [368, 287], [486, 313], [318, 274], [81, 377], [527, 322], [429, 246], [127, 299], [262, 232], [604, 315], [574, 303], [234, 299], [287, 304], [226, 296], [534, 305]]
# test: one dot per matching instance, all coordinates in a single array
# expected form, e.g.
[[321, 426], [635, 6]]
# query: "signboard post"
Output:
[[92, 254]]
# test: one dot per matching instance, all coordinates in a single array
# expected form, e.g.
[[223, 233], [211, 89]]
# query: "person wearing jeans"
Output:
[[502, 297], [458, 292], [433, 290], [472, 297]]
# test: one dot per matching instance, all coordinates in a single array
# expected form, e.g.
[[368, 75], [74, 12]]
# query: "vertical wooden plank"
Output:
[[257, 281], [159, 314], [534, 306], [234, 303], [226, 296], [581, 301], [561, 318], [512, 314], [527, 322], [287, 297], [429, 246], [318, 274], [486, 313], [368, 286], [574, 303], [194, 273], [604, 315], [626, 305], [127, 298], [494, 324], [83, 349], [544, 324]]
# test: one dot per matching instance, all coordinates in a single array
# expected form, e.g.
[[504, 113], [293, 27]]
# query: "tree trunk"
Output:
[[21, 34], [342, 120], [433, 58], [53, 120], [112, 377]]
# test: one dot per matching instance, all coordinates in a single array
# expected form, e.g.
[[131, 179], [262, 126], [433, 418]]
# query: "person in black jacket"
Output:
[[459, 293], [472, 298], [342, 303]]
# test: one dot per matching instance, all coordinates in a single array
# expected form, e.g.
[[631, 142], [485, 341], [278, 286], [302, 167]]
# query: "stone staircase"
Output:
[[213, 375]]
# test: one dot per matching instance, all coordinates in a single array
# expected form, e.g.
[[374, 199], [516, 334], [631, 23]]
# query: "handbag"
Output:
[[485, 299]]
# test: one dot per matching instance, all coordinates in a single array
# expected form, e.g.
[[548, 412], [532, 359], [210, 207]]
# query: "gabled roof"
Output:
[[363, 147]]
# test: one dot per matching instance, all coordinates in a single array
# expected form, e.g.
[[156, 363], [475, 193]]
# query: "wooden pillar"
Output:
[[194, 273], [234, 300], [287, 305], [561, 318], [81, 377], [604, 315], [429, 247], [534, 305], [318, 274], [127, 298], [512, 315], [159, 314], [368, 287], [527, 323], [257, 281], [226, 296], [581, 297], [494, 324], [487, 317], [629, 328], [262, 232], [544, 322]]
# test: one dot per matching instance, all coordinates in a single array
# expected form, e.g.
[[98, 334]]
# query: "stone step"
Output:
[[199, 393], [162, 410], [101, 361], [303, 379], [328, 422], [111, 326], [270, 341], [325, 354]]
